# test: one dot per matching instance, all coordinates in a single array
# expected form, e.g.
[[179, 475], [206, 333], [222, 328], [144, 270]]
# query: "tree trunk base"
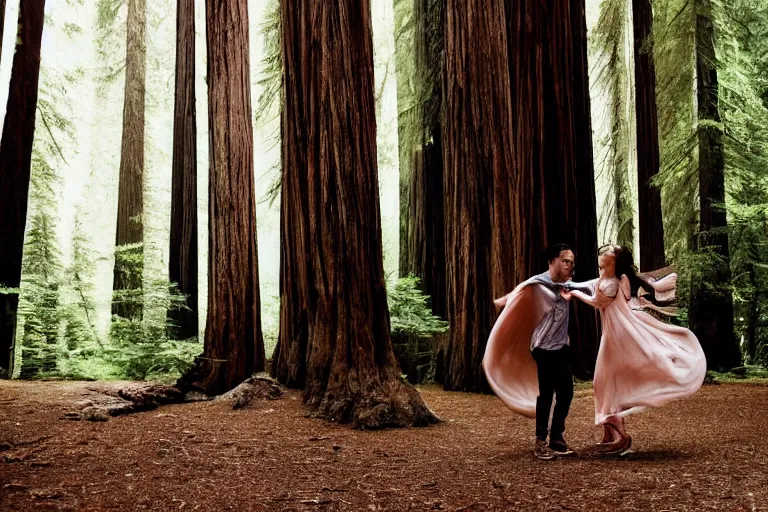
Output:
[[379, 406], [208, 376]]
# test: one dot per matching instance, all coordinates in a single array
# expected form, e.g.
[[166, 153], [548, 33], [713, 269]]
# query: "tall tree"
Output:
[[40, 296], [612, 74], [41, 284], [408, 122], [675, 66], [129, 238], [555, 194], [478, 177], [525, 46], [15, 166], [427, 238], [649, 196], [711, 308], [234, 345], [568, 21], [420, 72], [426, 246], [334, 322], [743, 82], [182, 263]]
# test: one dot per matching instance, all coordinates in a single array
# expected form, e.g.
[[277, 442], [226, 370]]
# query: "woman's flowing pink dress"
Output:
[[642, 362]]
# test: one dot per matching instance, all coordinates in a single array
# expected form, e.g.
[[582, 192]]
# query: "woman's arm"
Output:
[[588, 299]]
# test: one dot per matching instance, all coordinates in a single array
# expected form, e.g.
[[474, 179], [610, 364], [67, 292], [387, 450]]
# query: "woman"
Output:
[[642, 362]]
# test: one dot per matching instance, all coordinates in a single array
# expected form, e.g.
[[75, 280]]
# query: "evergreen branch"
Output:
[[87, 314], [53, 139], [674, 18]]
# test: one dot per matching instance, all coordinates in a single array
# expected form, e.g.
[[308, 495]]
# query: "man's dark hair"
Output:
[[554, 250]]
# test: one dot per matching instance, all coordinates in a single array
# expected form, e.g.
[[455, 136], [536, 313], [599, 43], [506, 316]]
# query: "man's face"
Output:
[[561, 267]]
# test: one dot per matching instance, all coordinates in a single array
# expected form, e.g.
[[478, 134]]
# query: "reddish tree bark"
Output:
[[526, 44], [554, 190], [584, 328], [649, 197], [15, 165], [478, 178], [426, 231], [334, 322], [182, 263], [129, 251], [234, 346]]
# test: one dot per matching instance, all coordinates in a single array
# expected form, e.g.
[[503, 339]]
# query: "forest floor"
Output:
[[708, 452]]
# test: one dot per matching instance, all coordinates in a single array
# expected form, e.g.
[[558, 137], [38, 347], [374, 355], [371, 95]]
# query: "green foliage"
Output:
[[72, 29], [270, 322], [742, 48], [110, 40], [81, 352], [272, 64], [57, 315], [741, 374], [40, 309], [674, 37], [80, 330], [741, 39], [140, 348], [39, 300], [409, 310], [141, 351], [270, 101], [414, 329]]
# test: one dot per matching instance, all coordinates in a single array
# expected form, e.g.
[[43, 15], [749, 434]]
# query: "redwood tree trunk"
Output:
[[15, 164], [426, 251], [478, 177], [649, 197], [584, 328], [711, 307], [554, 193], [182, 264], [234, 347], [300, 91], [334, 322], [526, 33], [129, 239], [426, 233]]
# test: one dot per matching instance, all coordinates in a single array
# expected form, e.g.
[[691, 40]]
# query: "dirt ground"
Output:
[[705, 453]]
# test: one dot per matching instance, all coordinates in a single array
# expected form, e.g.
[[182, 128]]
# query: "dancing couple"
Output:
[[642, 362]]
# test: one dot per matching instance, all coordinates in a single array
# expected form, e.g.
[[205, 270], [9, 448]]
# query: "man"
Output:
[[528, 356], [551, 350]]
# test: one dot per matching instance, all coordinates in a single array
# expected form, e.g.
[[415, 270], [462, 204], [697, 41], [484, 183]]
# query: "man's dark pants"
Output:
[[555, 372]]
